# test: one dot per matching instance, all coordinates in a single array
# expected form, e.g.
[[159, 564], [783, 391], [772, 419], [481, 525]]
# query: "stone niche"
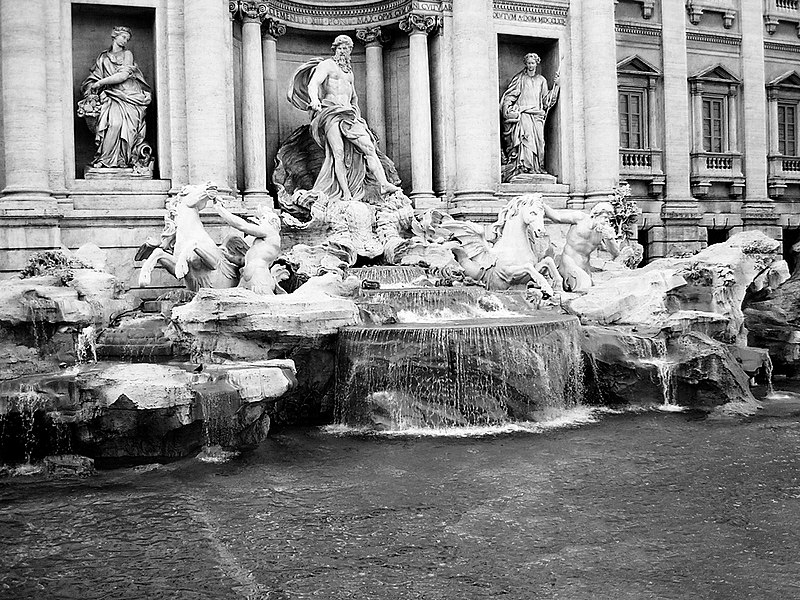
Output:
[[91, 34], [297, 47], [511, 51]]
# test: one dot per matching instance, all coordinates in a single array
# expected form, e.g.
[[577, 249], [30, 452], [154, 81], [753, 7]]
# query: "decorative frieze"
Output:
[[531, 12], [248, 11], [782, 47], [640, 29], [714, 38]]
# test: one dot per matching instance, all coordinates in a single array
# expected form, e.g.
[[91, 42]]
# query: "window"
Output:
[[631, 119], [714, 124], [787, 129]]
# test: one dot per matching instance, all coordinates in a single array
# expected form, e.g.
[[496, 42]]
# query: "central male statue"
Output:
[[325, 88]]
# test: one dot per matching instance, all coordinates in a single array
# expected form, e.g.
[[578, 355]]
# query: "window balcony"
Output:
[[643, 165], [783, 170], [717, 167]]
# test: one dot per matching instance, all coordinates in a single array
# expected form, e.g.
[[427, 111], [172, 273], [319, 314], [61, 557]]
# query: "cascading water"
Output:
[[86, 345], [389, 276], [436, 304], [458, 373], [653, 351]]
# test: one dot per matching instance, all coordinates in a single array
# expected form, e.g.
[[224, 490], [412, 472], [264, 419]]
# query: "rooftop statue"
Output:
[[325, 88], [115, 100], [520, 253], [524, 108], [587, 233]]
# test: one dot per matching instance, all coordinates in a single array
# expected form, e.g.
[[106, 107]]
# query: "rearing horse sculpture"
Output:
[[195, 257], [520, 253]]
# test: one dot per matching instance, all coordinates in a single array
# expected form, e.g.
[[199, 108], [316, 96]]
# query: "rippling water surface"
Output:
[[643, 506]]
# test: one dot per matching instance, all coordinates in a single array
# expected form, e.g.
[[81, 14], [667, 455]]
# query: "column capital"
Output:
[[248, 11], [415, 23], [372, 36], [273, 28]]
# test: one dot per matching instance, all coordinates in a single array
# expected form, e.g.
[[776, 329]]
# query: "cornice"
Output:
[[631, 28], [714, 38], [531, 12], [782, 47], [320, 15]]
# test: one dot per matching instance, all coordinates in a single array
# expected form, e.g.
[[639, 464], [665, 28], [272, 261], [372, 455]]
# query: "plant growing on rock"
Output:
[[626, 212], [56, 263]]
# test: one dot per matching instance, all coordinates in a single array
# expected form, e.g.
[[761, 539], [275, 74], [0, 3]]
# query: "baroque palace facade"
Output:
[[693, 103]]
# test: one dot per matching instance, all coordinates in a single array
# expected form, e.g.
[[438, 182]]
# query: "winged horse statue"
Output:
[[521, 251]]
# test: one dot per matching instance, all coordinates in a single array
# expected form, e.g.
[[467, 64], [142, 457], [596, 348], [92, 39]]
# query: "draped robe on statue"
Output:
[[524, 107], [351, 125], [120, 131]]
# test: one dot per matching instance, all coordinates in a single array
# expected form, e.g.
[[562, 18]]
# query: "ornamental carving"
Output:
[[248, 11], [371, 35], [274, 28], [416, 23]]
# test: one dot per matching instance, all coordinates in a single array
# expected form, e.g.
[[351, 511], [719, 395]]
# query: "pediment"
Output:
[[718, 74], [790, 79], [636, 65]]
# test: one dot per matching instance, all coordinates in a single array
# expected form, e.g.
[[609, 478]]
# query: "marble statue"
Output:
[[519, 254], [258, 273], [186, 249], [325, 88], [115, 100], [524, 108], [587, 233]]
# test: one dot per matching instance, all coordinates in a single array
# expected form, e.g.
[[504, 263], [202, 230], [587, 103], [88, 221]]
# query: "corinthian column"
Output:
[[271, 31], [24, 136], [477, 124], [418, 27], [373, 40], [207, 49], [254, 145]]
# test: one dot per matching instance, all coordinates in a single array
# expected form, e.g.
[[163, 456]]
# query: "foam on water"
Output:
[[550, 419]]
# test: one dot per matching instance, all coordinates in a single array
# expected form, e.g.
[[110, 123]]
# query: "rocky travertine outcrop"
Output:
[[128, 412], [709, 286], [647, 369]]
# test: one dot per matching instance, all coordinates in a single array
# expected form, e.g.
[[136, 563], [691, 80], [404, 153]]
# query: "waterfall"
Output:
[[458, 373], [432, 304], [388, 276], [86, 345]]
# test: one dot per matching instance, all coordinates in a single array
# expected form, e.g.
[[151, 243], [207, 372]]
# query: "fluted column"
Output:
[[600, 97], [477, 124], [373, 39], [206, 51], [254, 145], [23, 51], [418, 27], [271, 31]]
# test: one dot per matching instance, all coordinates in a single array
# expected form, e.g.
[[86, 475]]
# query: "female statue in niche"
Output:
[[115, 100], [524, 108]]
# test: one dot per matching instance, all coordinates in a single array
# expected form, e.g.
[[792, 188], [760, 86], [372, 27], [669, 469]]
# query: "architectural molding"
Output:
[[248, 11], [782, 47], [338, 16], [531, 12], [640, 29], [696, 9], [714, 38]]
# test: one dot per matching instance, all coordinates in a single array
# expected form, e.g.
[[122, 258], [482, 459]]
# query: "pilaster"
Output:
[[271, 30], [475, 92], [23, 52], [207, 53]]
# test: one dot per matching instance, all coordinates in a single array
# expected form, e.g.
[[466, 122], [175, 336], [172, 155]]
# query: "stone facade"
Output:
[[694, 103]]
